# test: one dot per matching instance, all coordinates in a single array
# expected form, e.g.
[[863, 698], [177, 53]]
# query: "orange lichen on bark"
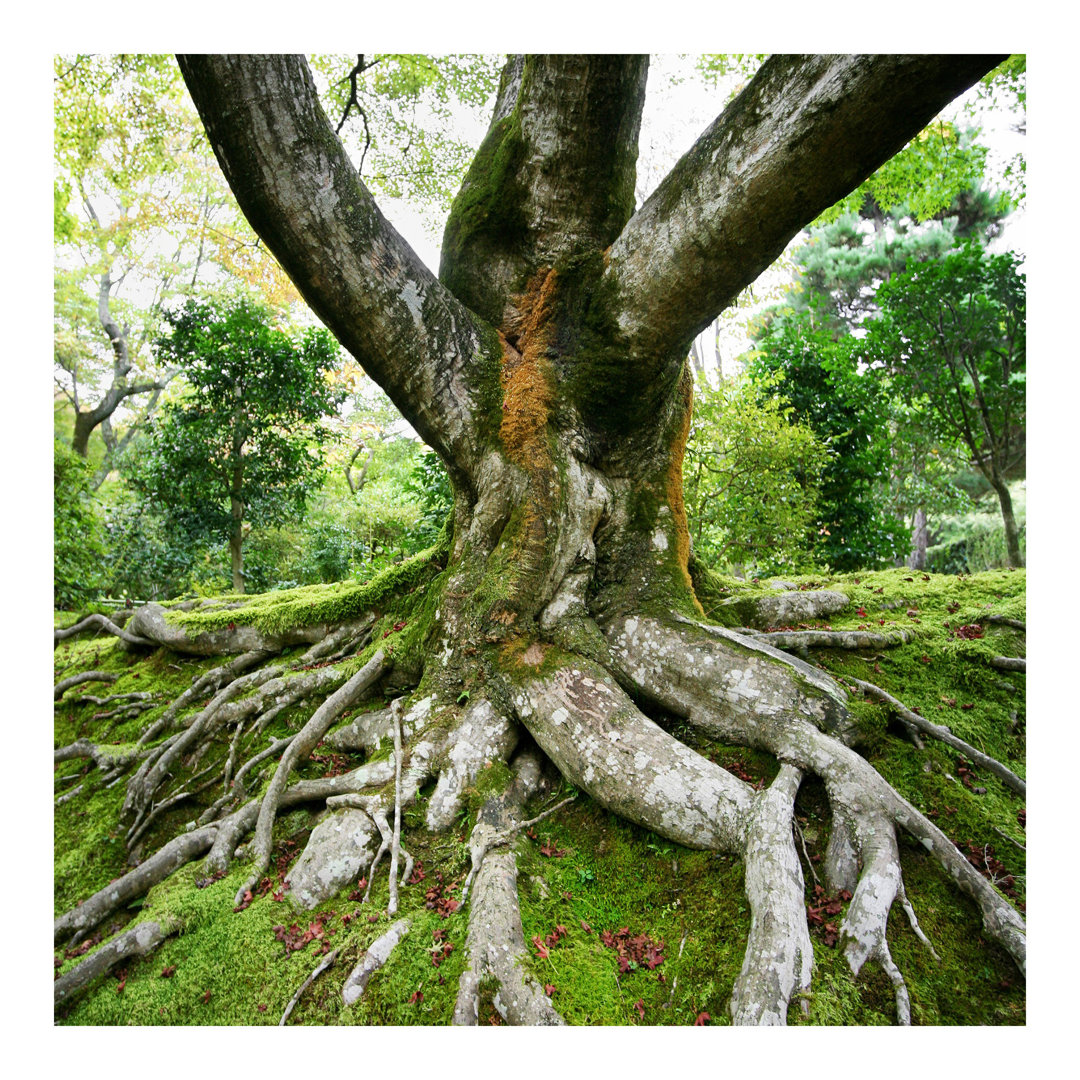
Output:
[[527, 376], [675, 479]]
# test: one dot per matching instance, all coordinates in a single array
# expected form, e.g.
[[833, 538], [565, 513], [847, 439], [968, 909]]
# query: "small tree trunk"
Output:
[[1012, 534], [917, 558], [80, 439]]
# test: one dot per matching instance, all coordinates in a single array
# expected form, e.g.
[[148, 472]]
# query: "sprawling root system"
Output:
[[552, 712]]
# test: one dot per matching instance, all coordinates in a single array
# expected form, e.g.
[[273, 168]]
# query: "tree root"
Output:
[[211, 681], [1009, 663], [496, 942], [300, 747], [138, 941], [713, 681], [779, 956], [833, 639], [116, 894], [378, 952], [943, 734], [102, 623], [83, 677], [294, 1000]]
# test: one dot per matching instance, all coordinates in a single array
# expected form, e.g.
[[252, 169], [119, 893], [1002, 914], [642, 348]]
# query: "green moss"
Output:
[[274, 612]]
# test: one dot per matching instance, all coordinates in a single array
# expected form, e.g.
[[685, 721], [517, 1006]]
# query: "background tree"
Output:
[[952, 335], [751, 478], [78, 534], [850, 414], [239, 447]]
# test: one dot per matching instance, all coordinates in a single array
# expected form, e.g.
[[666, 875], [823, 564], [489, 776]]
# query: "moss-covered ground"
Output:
[[588, 881]]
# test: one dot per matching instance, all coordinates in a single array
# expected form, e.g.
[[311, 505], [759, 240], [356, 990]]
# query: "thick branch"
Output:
[[804, 133], [301, 194]]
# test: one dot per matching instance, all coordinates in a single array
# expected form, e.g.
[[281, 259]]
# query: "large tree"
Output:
[[547, 366]]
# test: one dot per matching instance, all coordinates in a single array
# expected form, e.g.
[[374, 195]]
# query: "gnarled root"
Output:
[[722, 684], [302, 745], [378, 952], [140, 940], [496, 942], [116, 894], [779, 956]]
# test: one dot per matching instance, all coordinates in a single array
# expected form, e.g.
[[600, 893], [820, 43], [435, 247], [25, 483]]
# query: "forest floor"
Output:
[[621, 926]]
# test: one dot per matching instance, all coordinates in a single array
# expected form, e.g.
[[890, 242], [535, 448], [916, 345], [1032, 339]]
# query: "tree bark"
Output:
[[1012, 533], [917, 558], [547, 366]]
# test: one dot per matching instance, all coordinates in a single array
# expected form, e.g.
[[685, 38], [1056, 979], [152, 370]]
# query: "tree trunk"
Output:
[[917, 558], [547, 365], [1012, 534]]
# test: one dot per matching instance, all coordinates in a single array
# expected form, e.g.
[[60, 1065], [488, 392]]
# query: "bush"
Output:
[[78, 532]]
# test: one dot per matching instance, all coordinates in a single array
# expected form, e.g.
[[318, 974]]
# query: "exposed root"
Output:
[[102, 623], [395, 843], [83, 677], [138, 941], [1004, 620], [294, 1000], [484, 735], [1009, 663], [211, 681], [713, 681], [300, 747], [834, 639], [483, 840], [377, 954], [779, 956], [943, 734], [583, 720], [496, 942], [116, 894]]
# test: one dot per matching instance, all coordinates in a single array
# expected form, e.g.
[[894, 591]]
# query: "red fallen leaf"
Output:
[[541, 949], [232, 626], [660, 977], [924, 659], [549, 989], [169, 972], [551, 851], [206, 997], [120, 986], [373, 918], [702, 1019], [969, 705], [640, 1006], [861, 612], [586, 927], [416, 998], [261, 1008]]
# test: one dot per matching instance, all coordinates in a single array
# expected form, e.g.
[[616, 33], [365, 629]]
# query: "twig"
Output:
[[1002, 832], [307, 982], [802, 841], [675, 978], [504, 837]]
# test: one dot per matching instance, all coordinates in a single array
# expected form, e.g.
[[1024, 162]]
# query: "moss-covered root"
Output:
[[300, 747], [724, 686], [377, 953], [140, 940], [779, 956], [116, 894], [496, 941], [100, 622], [942, 733], [483, 736]]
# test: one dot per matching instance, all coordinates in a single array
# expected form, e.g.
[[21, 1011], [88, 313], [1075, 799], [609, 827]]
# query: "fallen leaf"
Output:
[[702, 1019]]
